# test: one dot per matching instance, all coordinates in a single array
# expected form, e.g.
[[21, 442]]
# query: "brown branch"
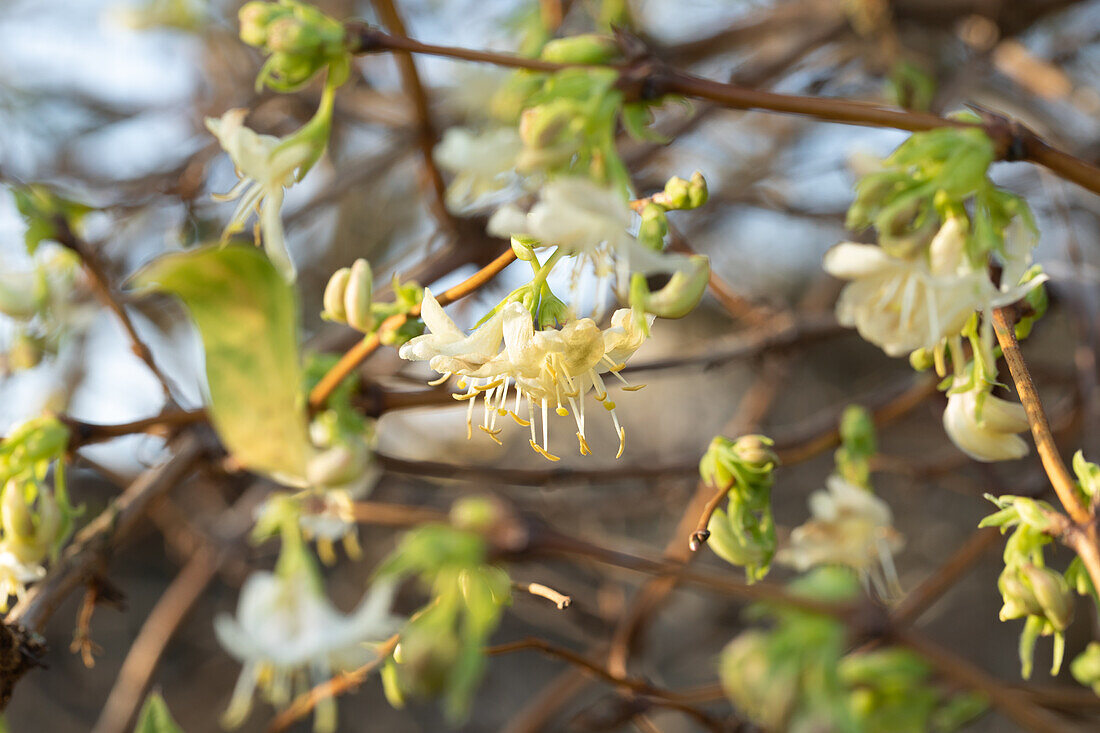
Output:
[[635, 685], [648, 79], [149, 645], [921, 598], [1082, 536], [701, 533], [101, 286], [85, 433], [355, 356]]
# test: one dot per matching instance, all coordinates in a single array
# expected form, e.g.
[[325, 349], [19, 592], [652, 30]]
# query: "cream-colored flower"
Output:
[[290, 638], [329, 518], [549, 368], [482, 163], [15, 575], [985, 427], [266, 167], [904, 304], [850, 526], [575, 215]]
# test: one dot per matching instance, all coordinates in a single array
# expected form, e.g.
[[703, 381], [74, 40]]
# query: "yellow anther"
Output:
[[542, 452], [633, 388], [601, 396], [622, 442], [609, 405], [464, 397], [461, 384], [562, 411], [518, 419], [491, 385], [492, 434], [501, 411], [617, 367], [441, 380], [585, 451]]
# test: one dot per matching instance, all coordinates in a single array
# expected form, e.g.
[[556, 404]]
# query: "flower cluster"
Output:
[[550, 368]]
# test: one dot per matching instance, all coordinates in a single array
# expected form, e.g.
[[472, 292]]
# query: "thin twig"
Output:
[[921, 598], [560, 600], [648, 79], [101, 286], [701, 533], [149, 645]]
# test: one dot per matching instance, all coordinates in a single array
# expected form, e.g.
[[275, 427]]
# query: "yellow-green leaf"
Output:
[[155, 718], [247, 316]]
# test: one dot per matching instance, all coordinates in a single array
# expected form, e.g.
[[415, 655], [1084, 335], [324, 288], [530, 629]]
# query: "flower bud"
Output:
[[1019, 600], [1031, 513], [357, 296], [922, 360], [1086, 667], [653, 228], [587, 49], [1053, 594], [334, 296], [946, 251], [755, 451], [681, 194], [540, 126], [524, 248], [683, 291], [20, 297], [291, 36], [254, 18]]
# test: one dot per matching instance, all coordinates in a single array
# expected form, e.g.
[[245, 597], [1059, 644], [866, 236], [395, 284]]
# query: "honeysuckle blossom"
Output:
[[266, 165], [850, 526], [549, 368], [985, 427], [15, 575], [482, 163], [576, 215], [290, 638], [329, 518], [905, 304]]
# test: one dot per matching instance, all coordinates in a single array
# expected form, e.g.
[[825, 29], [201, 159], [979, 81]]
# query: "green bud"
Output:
[[292, 37], [653, 228], [1031, 513], [254, 18], [334, 296], [680, 295], [922, 360], [26, 351], [681, 194], [1086, 667], [476, 514], [756, 452], [588, 49], [1019, 599], [357, 296], [524, 249], [857, 431], [541, 126], [1053, 594]]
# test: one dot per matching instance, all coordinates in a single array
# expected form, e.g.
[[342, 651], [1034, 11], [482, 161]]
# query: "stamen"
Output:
[[470, 419], [519, 420], [585, 451], [461, 384], [441, 380], [622, 442], [609, 406], [562, 412], [544, 453], [634, 388], [492, 434], [490, 386], [545, 427]]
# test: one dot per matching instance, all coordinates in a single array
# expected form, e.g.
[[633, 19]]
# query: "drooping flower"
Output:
[[553, 367], [902, 304], [482, 163], [985, 427], [290, 638], [266, 165], [850, 526]]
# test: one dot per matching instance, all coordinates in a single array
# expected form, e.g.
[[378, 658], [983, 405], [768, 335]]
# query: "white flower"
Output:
[[904, 304], [266, 167], [850, 526], [328, 519], [576, 215], [550, 368], [290, 638], [985, 427], [15, 575], [482, 163]]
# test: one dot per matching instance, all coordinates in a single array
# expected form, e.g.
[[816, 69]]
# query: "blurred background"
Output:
[[106, 101]]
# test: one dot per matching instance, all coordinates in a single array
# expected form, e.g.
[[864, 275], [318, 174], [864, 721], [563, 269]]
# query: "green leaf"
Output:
[[155, 718], [247, 316]]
